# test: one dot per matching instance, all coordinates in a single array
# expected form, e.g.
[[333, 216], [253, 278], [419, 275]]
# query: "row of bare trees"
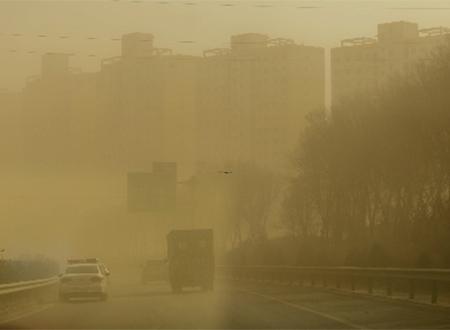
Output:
[[252, 195], [373, 178]]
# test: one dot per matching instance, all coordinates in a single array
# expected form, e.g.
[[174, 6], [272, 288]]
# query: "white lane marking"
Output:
[[307, 309], [26, 314]]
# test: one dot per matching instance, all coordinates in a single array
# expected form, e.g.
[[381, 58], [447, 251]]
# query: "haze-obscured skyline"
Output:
[[30, 28], [298, 149], [78, 140]]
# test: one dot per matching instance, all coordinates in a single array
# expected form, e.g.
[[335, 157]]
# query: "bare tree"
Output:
[[376, 173]]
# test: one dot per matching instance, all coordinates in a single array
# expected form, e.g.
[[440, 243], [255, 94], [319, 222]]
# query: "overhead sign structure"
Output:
[[139, 191], [152, 191]]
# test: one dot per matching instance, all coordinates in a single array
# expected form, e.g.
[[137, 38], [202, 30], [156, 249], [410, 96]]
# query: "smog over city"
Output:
[[225, 164]]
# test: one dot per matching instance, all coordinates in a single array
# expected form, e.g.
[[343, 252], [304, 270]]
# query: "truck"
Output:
[[190, 256]]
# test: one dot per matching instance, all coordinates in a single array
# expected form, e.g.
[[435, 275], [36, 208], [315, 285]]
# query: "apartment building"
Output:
[[246, 103], [148, 102], [366, 65], [254, 97]]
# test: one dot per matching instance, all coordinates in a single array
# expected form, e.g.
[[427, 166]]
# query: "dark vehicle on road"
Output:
[[191, 259], [154, 270]]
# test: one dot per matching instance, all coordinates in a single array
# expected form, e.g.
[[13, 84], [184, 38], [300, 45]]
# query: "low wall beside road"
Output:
[[23, 298]]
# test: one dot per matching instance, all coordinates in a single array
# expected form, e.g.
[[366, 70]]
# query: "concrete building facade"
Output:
[[246, 103], [366, 65], [148, 102], [254, 97], [57, 115]]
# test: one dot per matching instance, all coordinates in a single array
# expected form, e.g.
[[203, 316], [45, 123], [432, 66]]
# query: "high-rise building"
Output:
[[254, 97], [58, 116], [137, 45], [46, 114], [365, 65], [10, 135], [148, 104], [245, 103], [55, 65]]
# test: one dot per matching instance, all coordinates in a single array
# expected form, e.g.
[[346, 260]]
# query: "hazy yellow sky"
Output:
[[71, 26]]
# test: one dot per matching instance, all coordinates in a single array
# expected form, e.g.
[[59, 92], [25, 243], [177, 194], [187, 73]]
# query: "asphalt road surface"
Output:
[[234, 305]]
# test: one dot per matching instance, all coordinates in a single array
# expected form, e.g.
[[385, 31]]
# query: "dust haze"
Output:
[[122, 120]]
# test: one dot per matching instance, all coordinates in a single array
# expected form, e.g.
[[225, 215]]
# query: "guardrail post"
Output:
[[338, 282], [412, 289], [434, 292], [287, 277], [352, 282], [370, 285], [273, 277], [324, 280], [291, 277], [280, 276], [388, 287]]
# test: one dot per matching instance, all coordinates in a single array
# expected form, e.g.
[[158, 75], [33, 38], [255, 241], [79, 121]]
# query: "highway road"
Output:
[[236, 305]]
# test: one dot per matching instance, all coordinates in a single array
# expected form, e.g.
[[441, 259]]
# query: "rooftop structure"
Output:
[[366, 65]]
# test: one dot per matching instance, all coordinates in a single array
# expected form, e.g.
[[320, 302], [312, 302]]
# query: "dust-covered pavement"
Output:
[[235, 305]]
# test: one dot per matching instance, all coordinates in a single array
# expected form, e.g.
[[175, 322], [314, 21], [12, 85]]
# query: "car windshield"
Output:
[[85, 269]]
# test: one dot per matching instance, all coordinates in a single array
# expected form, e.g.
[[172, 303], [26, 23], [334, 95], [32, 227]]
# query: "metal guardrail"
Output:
[[335, 276], [20, 298]]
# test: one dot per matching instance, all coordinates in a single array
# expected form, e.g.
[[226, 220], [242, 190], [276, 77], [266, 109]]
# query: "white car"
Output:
[[84, 280]]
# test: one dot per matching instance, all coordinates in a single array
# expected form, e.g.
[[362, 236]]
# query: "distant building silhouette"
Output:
[[367, 64], [58, 115], [148, 100], [254, 97], [245, 103], [55, 65], [136, 45], [11, 139]]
